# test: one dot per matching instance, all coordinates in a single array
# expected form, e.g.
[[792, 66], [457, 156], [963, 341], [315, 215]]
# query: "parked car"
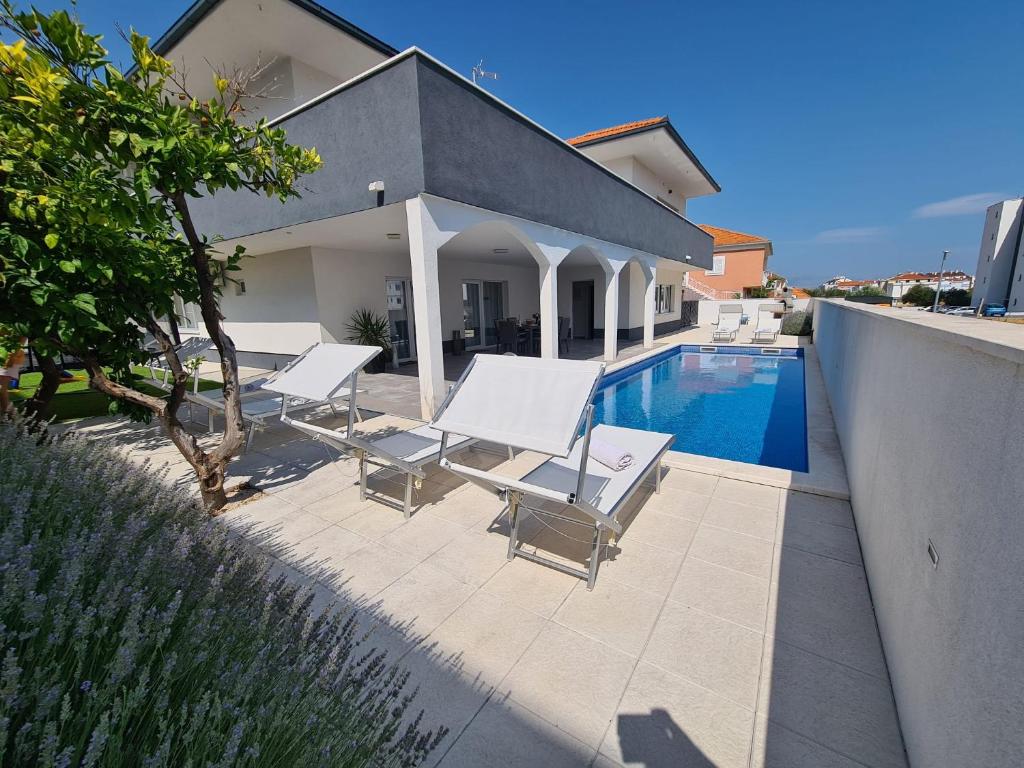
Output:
[[962, 311], [994, 310]]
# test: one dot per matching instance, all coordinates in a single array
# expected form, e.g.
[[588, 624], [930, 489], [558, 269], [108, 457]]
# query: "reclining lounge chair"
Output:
[[769, 322], [197, 346], [546, 406], [729, 318], [326, 372]]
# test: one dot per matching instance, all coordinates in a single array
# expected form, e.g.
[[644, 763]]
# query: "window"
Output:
[[188, 314], [664, 299], [718, 267]]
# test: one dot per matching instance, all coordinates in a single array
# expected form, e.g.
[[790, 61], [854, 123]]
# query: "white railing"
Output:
[[706, 290]]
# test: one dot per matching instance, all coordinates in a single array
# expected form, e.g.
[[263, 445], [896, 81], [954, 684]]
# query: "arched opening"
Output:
[[583, 282]]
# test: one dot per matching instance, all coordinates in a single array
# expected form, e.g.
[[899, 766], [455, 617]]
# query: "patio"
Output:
[[731, 624]]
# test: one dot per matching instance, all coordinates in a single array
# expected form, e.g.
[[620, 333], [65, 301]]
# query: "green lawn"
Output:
[[75, 400]]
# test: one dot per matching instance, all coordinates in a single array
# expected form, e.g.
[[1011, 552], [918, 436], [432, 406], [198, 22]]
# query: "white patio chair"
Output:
[[728, 324], [197, 346], [546, 406], [769, 323], [329, 371], [260, 406]]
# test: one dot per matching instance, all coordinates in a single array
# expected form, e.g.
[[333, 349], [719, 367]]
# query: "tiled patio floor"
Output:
[[731, 624]]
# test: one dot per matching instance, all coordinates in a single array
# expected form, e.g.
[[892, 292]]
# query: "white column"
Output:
[[424, 240], [611, 315], [549, 310], [650, 282]]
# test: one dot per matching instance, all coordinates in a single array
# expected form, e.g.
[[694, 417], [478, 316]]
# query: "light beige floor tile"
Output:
[[778, 747], [616, 614], [678, 503], [471, 557], [288, 531], [422, 535], [696, 482], [571, 681], [363, 573], [717, 654], [256, 514], [833, 541], [338, 506], [664, 720], [824, 606], [660, 530], [733, 550], [839, 707], [325, 553], [485, 636], [507, 735], [728, 594], [423, 598], [821, 509], [640, 565], [755, 495], [467, 507], [741, 518], [374, 521], [532, 586]]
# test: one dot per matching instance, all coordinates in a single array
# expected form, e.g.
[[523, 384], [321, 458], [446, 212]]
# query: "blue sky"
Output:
[[861, 138]]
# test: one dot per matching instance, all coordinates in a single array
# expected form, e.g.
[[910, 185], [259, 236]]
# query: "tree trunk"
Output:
[[37, 405]]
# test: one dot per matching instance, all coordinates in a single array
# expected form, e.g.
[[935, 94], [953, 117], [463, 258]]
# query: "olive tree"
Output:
[[98, 169]]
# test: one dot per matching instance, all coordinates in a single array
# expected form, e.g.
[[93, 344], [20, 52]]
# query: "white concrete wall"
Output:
[[286, 84], [349, 280], [707, 310], [278, 312], [932, 430]]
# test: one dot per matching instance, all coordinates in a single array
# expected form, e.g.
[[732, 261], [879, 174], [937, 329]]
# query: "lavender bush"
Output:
[[134, 632]]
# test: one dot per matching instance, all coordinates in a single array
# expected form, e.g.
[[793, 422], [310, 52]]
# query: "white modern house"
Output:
[[897, 285], [438, 205], [999, 277]]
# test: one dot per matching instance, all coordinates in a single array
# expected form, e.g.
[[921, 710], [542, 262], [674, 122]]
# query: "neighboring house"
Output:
[[438, 206], [740, 262], [999, 278], [897, 285], [844, 284], [835, 281]]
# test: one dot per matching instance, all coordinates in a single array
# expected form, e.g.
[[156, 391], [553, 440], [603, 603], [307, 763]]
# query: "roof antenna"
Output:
[[480, 73]]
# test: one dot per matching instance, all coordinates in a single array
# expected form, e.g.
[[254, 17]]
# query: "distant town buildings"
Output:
[[1000, 259], [897, 285]]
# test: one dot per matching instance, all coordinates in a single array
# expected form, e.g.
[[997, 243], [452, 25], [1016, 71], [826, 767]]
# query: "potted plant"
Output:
[[371, 330]]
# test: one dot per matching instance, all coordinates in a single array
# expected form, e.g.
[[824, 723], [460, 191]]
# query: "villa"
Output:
[[438, 205], [739, 263]]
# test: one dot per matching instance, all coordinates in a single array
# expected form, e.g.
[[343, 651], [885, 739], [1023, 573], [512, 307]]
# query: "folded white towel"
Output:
[[611, 456]]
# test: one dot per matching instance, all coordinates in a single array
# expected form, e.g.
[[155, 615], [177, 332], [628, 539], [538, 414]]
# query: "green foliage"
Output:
[[95, 173], [759, 292], [956, 297], [136, 632], [797, 324], [867, 290], [919, 296], [825, 293], [370, 329]]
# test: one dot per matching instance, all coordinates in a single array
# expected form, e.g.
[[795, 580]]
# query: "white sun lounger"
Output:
[[729, 318], [194, 347], [546, 406], [328, 371], [260, 406], [769, 322]]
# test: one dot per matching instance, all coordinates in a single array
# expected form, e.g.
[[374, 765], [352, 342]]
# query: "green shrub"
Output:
[[136, 632], [797, 324], [919, 296]]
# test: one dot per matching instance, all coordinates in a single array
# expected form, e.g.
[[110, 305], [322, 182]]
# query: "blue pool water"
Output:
[[739, 405]]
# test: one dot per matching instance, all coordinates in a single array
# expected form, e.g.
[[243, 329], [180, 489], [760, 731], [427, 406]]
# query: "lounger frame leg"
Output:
[[513, 519], [249, 437], [511, 453], [657, 477], [362, 475], [407, 505], [209, 419], [595, 558]]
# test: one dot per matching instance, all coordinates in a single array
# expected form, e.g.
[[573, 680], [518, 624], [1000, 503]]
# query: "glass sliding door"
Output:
[[398, 292], [483, 302], [472, 313], [494, 309]]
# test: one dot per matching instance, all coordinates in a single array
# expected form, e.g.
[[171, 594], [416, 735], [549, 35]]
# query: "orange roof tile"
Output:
[[730, 237], [615, 130], [800, 293]]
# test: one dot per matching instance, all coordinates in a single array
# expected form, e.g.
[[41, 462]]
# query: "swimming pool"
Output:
[[737, 404]]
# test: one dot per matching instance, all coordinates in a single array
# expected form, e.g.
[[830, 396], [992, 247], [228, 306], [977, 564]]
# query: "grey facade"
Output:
[[421, 129]]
